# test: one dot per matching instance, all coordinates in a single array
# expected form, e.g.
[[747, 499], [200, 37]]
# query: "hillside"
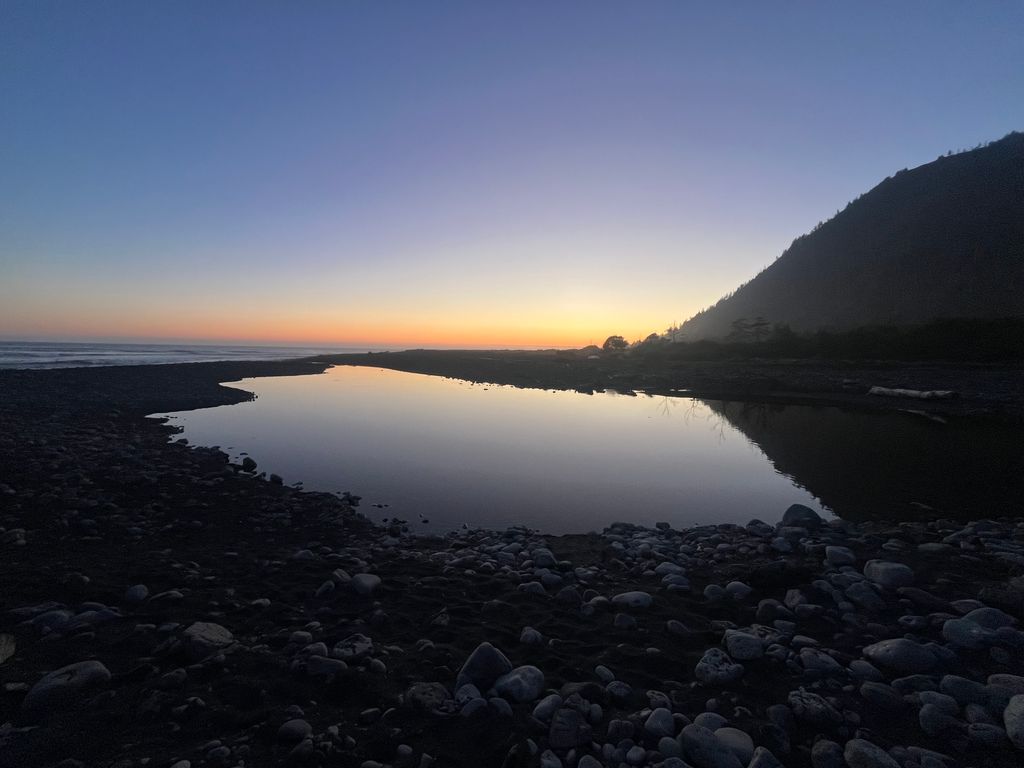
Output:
[[939, 241]]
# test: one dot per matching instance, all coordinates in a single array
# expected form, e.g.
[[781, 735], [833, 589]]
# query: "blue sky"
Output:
[[442, 172]]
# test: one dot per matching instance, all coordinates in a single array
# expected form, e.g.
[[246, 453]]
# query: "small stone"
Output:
[[743, 646], [568, 729], [763, 758], [800, 516], [902, 655], [738, 742], [716, 668], [530, 636], [705, 751], [8, 646], [839, 556], [986, 735], [863, 754], [64, 686], [813, 709], [889, 574], [935, 721], [633, 600], [710, 720], [204, 638], [499, 706], [484, 665], [364, 583], [136, 594], [294, 730], [660, 723], [827, 754], [738, 590], [1013, 719], [429, 697], [353, 648], [547, 706], [521, 684]]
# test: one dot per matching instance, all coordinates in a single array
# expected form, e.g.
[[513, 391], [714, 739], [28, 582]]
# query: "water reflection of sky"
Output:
[[491, 456]]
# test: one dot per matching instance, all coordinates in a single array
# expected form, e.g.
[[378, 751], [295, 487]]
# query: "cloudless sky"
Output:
[[454, 173]]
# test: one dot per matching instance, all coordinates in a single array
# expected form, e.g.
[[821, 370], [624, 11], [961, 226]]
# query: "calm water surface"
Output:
[[490, 456], [456, 453]]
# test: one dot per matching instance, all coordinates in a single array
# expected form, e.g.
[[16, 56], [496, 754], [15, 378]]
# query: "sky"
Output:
[[454, 173]]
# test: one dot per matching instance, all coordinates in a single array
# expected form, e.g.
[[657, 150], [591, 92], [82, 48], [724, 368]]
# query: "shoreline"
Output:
[[256, 639], [982, 391]]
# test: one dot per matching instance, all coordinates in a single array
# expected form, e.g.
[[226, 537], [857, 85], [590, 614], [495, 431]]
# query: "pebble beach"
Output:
[[162, 606]]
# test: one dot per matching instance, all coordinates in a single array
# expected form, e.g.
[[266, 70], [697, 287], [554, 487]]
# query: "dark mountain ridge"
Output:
[[944, 240]]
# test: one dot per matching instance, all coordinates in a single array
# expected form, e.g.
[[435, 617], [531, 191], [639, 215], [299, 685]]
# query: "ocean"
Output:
[[35, 354]]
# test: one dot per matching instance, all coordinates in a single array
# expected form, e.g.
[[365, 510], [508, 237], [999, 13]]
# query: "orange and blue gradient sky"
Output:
[[454, 173]]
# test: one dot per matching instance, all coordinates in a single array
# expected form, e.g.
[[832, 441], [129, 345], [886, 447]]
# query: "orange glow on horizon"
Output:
[[349, 335]]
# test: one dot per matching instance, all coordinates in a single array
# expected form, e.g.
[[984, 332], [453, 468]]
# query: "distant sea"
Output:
[[34, 354]]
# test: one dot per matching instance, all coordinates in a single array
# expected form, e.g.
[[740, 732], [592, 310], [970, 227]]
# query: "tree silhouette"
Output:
[[614, 344]]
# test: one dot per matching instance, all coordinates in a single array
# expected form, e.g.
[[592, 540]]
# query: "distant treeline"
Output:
[[957, 340]]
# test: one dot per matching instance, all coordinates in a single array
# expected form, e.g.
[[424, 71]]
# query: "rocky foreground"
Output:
[[164, 607]]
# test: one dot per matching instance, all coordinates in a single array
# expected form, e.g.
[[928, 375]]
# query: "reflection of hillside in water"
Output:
[[877, 465]]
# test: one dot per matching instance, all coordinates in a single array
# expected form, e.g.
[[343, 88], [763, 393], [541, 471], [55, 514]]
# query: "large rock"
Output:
[[888, 574], [716, 668], [483, 667], [204, 638], [521, 684], [1013, 719], [901, 655], [63, 687], [801, 517]]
